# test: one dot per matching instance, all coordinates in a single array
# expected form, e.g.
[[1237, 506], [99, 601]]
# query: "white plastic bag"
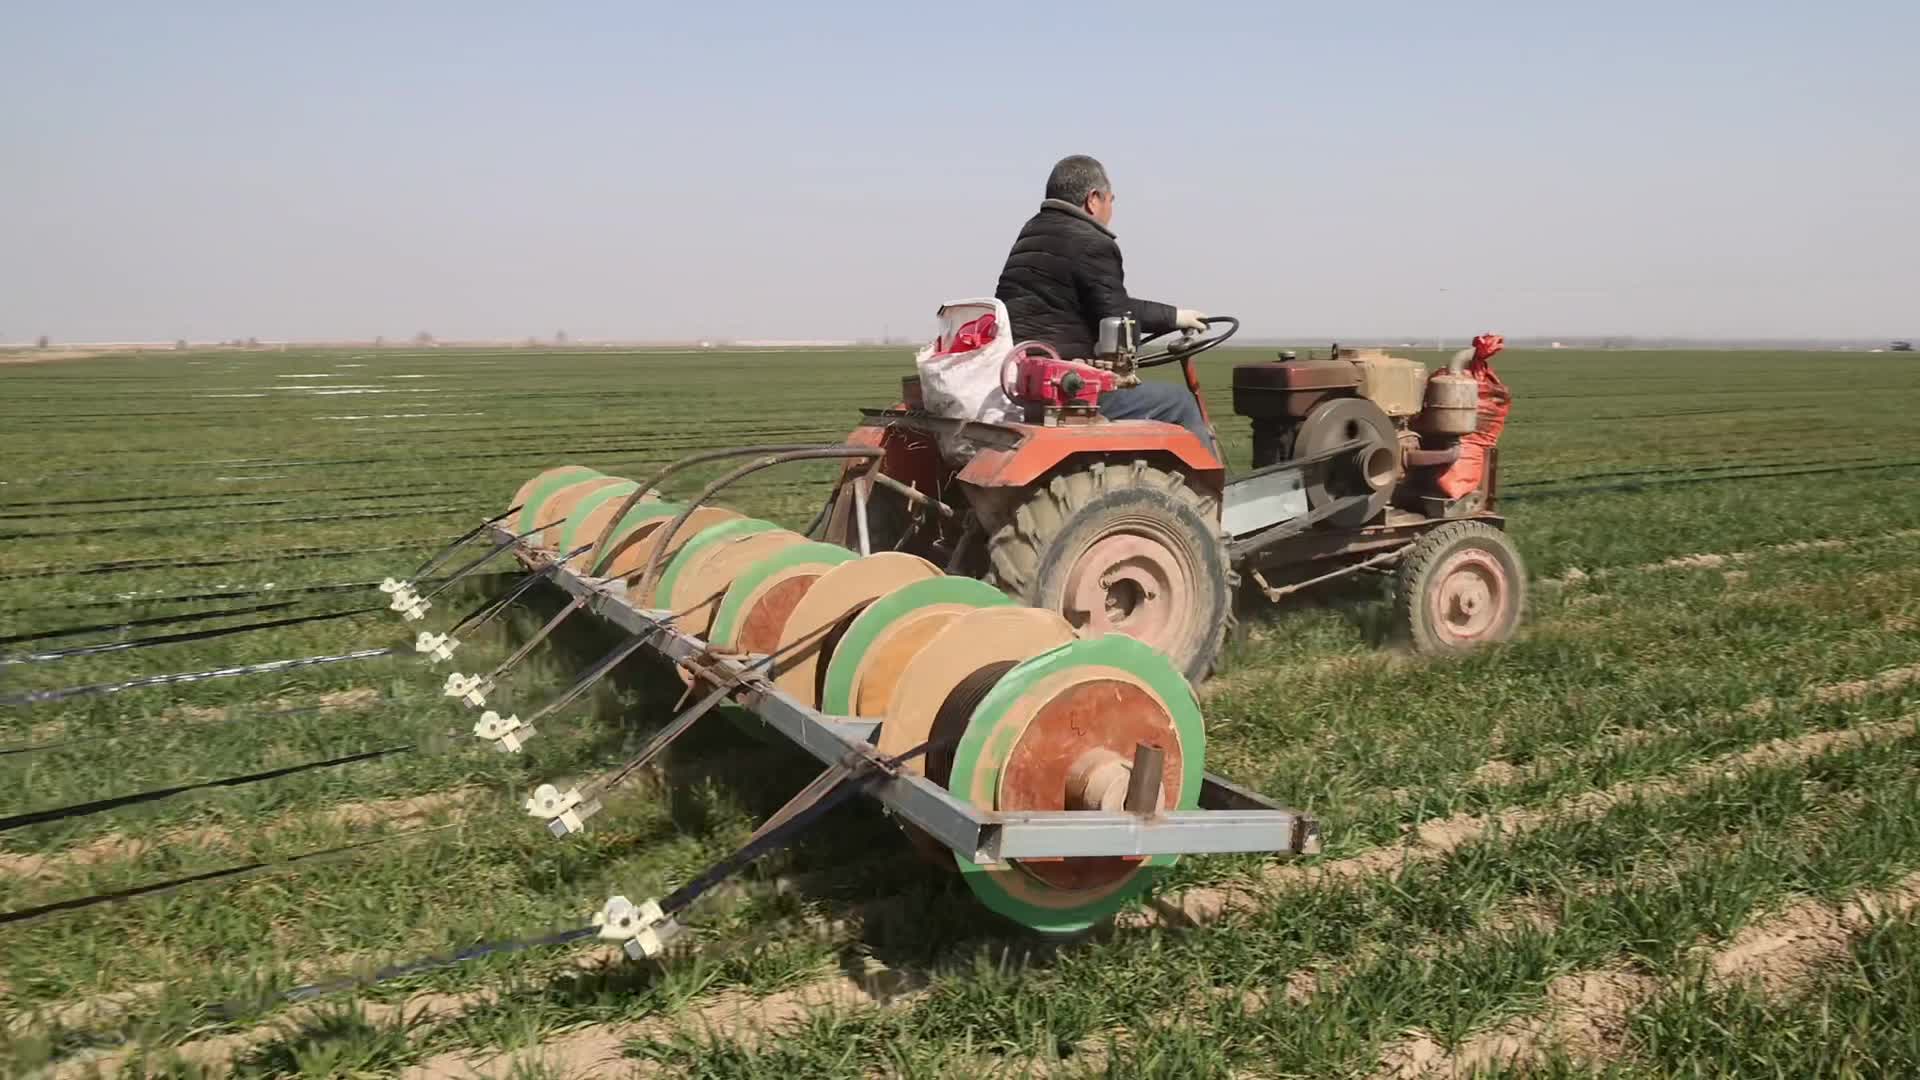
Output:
[[961, 381]]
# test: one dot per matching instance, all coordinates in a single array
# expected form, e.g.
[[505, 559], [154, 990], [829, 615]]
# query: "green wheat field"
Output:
[[1673, 829]]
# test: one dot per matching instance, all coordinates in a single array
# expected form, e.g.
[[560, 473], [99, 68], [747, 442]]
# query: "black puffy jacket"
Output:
[[1063, 276]]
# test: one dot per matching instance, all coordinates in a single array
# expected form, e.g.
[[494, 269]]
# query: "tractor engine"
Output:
[[1404, 425]]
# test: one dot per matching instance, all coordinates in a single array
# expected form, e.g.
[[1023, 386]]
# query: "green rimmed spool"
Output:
[[632, 540], [1094, 696], [749, 588], [700, 542], [882, 621], [572, 534], [535, 492]]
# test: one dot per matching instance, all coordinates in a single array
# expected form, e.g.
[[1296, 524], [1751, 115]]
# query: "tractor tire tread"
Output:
[[1017, 549]]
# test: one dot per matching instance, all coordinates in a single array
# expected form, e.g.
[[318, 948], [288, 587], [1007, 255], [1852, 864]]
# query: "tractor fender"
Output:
[[1041, 450]]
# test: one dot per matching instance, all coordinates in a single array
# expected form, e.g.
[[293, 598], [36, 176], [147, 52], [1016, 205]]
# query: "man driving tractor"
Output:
[[1064, 275]]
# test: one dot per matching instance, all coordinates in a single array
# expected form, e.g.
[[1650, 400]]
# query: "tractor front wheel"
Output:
[[1122, 548], [1459, 587]]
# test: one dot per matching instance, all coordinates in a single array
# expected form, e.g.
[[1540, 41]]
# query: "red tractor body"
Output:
[[1133, 526]]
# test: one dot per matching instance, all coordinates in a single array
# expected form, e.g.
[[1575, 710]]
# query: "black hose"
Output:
[[175, 639], [101, 806], [158, 620]]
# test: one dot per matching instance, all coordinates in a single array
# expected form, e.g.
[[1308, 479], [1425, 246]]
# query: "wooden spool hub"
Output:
[[865, 666], [533, 495], [698, 548], [1059, 732], [813, 630], [634, 543], [702, 586], [758, 602], [560, 506], [957, 663], [962, 660]]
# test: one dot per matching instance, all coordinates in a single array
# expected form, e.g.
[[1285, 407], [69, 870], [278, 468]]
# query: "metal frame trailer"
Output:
[[1231, 818]]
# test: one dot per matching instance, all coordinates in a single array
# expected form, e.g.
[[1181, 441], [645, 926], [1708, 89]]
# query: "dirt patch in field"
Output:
[[1891, 679], [358, 698], [1783, 951], [1698, 562], [734, 1016], [1851, 691], [1433, 839], [403, 813], [113, 847], [1587, 1013], [83, 1012], [1575, 577]]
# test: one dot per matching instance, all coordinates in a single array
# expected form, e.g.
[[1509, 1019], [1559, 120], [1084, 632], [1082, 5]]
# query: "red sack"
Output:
[[1466, 474], [972, 336]]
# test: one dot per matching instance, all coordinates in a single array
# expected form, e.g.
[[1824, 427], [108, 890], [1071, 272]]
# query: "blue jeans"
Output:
[[1159, 401]]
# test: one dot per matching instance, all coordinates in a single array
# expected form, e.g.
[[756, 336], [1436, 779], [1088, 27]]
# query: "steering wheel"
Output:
[[1187, 344]]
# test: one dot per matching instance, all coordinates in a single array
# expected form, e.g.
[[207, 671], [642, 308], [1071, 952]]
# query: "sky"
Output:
[[636, 170]]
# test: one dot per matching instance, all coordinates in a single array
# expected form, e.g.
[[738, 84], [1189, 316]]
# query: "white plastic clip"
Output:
[[644, 928], [436, 646], [417, 607], [565, 812], [469, 688], [508, 733], [403, 595], [392, 586]]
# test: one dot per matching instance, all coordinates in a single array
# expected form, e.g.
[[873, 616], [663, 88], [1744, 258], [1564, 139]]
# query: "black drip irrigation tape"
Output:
[[434, 963], [382, 491], [238, 498], [627, 446], [185, 636], [159, 620], [38, 697], [101, 806], [56, 515], [232, 523], [129, 566], [228, 873], [236, 594]]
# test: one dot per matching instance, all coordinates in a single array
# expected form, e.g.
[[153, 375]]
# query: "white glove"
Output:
[[1188, 319]]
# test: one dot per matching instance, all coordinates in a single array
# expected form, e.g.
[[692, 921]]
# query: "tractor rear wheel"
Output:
[[1123, 548], [1459, 587]]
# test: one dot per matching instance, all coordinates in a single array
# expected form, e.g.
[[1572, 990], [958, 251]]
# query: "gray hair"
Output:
[[1076, 177]]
